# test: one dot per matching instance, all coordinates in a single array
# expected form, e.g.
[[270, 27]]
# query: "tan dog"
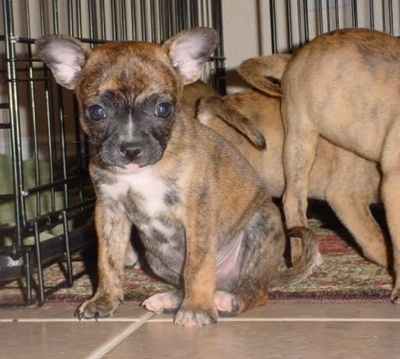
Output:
[[348, 182], [204, 215], [344, 86]]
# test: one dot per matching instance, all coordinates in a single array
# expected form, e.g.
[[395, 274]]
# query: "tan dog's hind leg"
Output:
[[298, 157]]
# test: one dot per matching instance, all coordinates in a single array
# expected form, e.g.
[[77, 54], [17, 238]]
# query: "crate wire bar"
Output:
[[46, 200]]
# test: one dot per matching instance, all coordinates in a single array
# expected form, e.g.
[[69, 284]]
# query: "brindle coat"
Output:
[[204, 215]]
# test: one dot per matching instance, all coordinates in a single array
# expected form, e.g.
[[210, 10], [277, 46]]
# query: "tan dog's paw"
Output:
[[199, 317], [97, 307], [167, 302], [226, 303]]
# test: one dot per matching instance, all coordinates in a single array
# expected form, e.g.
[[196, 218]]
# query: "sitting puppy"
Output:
[[203, 214]]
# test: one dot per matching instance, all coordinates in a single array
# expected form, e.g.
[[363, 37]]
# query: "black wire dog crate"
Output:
[[285, 25], [46, 200]]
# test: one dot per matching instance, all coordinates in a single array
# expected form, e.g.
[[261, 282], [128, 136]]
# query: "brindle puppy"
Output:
[[204, 215]]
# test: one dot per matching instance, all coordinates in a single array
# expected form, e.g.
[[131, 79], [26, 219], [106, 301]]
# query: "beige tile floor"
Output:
[[277, 330]]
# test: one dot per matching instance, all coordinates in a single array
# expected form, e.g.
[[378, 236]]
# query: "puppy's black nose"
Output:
[[131, 151]]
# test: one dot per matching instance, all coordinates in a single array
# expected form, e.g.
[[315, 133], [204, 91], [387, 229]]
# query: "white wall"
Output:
[[241, 39]]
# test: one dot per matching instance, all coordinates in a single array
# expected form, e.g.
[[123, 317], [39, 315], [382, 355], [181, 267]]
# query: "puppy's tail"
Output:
[[309, 260], [265, 72], [216, 106]]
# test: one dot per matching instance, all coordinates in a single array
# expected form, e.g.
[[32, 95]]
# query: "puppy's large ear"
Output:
[[190, 49], [65, 56], [265, 72]]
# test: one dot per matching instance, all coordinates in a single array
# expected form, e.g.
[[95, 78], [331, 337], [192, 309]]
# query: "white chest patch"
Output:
[[150, 187]]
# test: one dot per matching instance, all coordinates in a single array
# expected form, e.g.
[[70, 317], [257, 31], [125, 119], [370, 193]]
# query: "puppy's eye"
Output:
[[164, 110], [97, 113]]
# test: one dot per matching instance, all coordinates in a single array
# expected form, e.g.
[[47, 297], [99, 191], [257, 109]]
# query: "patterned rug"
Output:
[[344, 276]]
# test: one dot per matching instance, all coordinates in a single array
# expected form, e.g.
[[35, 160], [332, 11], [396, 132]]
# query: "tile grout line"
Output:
[[151, 318], [119, 338], [283, 319], [71, 320]]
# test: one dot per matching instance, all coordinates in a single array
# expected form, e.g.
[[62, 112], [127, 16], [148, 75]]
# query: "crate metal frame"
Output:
[[39, 123]]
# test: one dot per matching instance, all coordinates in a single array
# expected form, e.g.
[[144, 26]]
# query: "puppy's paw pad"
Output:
[[190, 318], [167, 302], [225, 302]]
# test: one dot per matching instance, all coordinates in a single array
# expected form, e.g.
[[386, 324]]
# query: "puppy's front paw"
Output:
[[167, 302], [97, 307], [199, 317]]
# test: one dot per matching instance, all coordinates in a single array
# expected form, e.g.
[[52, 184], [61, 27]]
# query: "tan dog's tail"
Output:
[[216, 106], [265, 72], [308, 261]]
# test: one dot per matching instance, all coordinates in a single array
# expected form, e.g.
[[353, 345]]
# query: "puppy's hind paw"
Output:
[[167, 302], [226, 303]]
